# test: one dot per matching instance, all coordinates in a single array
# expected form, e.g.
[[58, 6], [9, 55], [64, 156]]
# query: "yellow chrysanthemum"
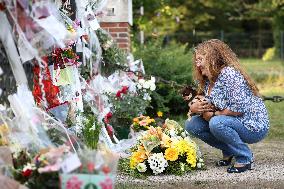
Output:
[[133, 163], [139, 156], [171, 154], [191, 159], [183, 146], [149, 121], [160, 114]]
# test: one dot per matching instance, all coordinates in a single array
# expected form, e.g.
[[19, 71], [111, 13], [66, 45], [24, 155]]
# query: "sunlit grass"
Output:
[[269, 76]]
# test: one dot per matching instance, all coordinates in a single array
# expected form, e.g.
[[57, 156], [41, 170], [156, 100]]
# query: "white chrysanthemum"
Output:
[[157, 163], [199, 165], [139, 86], [146, 85], [152, 86], [147, 97], [141, 167], [29, 166], [153, 79], [141, 81]]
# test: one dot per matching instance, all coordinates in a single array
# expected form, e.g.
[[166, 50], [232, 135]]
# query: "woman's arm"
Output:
[[228, 112], [208, 115]]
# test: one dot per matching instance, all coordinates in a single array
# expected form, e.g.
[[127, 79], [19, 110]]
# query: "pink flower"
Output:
[[76, 24], [106, 184], [143, 123], [109, 130], [74, 183]]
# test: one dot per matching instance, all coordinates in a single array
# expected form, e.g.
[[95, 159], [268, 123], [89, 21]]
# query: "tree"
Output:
[[272, 12]]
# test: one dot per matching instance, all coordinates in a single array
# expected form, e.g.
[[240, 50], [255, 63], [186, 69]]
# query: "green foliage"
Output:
[[91, 129], [172, 63], [112, 56], [265, 13], [123, 167], [167, 17], [178, 168], [125, 109], [278, 27]]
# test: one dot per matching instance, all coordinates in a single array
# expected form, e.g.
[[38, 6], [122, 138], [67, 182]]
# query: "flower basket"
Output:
[[87, 181]]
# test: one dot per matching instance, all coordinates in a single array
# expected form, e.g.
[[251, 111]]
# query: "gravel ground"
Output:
[[268, 172]]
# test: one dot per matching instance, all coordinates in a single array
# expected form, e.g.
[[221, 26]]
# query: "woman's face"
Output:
[[200, 64]]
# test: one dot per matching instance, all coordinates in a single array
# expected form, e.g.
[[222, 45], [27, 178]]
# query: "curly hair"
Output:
[[217, 56]]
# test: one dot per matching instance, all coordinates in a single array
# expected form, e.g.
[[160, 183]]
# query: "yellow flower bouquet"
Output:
[[166, 149]]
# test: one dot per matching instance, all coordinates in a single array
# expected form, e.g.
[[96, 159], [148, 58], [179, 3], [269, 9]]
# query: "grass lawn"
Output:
[[270, 80]]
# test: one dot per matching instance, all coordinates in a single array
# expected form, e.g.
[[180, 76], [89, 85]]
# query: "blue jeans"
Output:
[[227, 134]]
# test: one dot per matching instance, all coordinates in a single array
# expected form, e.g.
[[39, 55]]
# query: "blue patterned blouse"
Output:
[[231, 91]]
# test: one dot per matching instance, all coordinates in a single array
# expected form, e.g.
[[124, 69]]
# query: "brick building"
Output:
[[118, 21]]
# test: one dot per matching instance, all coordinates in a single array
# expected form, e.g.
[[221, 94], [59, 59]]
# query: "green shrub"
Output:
[[172, 63]]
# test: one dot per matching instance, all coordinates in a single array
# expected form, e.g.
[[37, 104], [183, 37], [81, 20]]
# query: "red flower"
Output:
[[27, 172], [118, 94], [106, 169], [109, 115], [51, 91], [124, 89], [91, 167]]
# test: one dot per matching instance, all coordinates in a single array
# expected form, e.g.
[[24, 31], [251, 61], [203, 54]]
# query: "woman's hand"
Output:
[[200, 107]]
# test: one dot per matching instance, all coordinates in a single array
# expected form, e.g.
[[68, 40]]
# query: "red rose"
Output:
[[109, 115], [124, 89], [118, 94], [27, 172]]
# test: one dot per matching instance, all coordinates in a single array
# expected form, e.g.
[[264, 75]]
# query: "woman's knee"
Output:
[[217, 123], [193, 126]]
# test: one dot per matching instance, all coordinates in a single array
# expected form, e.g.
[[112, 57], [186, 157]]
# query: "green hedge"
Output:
[[172, 63]]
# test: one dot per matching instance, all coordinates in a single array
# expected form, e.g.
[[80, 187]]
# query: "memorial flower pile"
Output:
[[165, 149]]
